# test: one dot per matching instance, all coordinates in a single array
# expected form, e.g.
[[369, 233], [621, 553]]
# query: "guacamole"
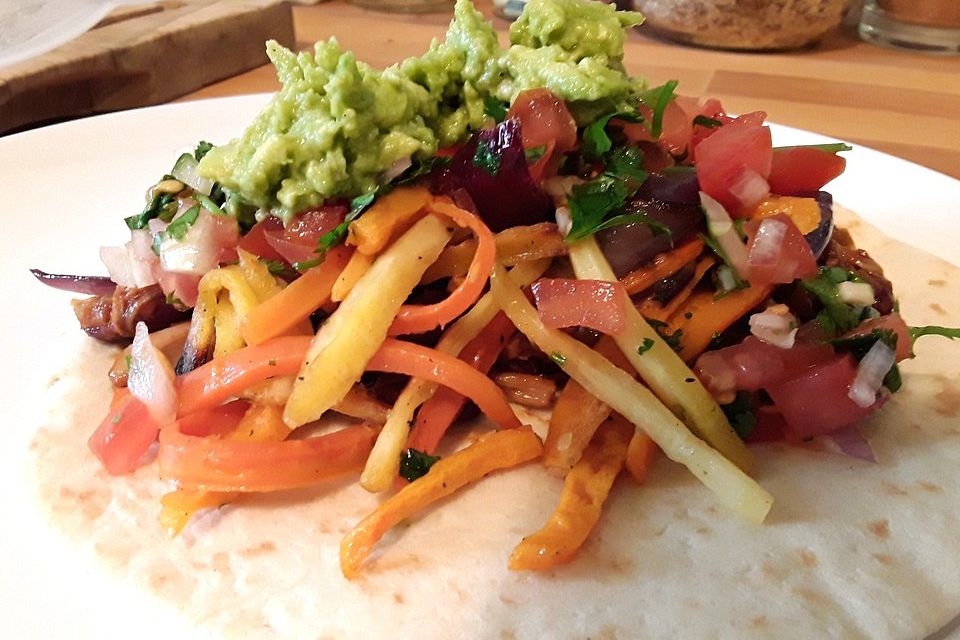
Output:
[[338, 127]]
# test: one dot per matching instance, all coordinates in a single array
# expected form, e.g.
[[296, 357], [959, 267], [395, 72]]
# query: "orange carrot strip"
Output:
[[417, 361], [585, 489], [492, 451], [653, 310], [438, 413], [423, 318], [640, 453], [295, 302], [663, 266], [703, 317]]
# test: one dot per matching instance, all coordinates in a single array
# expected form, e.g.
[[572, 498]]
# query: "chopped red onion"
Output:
[[749, 188], [720, 226], [870, 374], [151, 377], [852, 443], [768, 242], [775, 326]]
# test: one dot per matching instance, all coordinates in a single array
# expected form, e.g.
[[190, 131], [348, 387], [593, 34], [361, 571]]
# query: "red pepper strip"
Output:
[[438, 413], [223, 378], [423, 318], [124, 435], [395, 356], [213, 464]]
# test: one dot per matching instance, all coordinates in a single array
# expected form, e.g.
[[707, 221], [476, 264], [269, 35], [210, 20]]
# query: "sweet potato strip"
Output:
[[640, 454], [492, 451], [390, 216], [585, 489], [261, 423], [703, 316], [653, 310], [663, 266], [635, 402], [296, 302], [359, 264], [577, 414]]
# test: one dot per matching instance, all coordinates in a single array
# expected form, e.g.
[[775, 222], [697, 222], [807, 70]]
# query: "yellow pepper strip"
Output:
[[492, 451], [389, 216], [358, 265], [261, 423], [805, 212], [585, 489]]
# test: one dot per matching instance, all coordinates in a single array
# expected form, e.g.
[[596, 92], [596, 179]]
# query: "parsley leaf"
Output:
[[486, 158], [495, 108], [741, 415], [533, 154], [203, 147], [415, 464], [595, 142], [626, 163], [646, 346], [834, 147], [158, 207], [336, 235], [657, 100], [275, 267], [179, 227], [672, 339], [933, 330]]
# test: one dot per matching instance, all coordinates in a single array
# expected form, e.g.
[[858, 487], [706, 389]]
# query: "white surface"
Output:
[[31, 27], [65, 191]]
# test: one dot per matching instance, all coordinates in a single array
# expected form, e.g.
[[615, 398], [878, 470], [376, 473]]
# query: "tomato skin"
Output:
[[802, 169], [544, 121], [596, 304], [255, 240], [124, 436], [793, 260], [730, 151], [816, 402]]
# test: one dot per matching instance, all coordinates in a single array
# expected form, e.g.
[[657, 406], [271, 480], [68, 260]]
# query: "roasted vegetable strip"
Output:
[[661, 368], [585, 489], [382, 466], [297, 301], [354, 332], [359, 264], [218, 465], [632, 400], [423, 318], [653, 310], [388, 217], [640, 454], [703, 317], [663, 266], [493, 451]]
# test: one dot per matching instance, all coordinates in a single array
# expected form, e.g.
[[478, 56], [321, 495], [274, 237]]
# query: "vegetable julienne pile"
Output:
[[604, 252]]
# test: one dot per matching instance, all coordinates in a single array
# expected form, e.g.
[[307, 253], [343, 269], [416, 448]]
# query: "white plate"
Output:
[[31, 27], [64, 192]]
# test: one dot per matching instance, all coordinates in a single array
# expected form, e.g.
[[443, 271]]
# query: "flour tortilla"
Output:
[[850, 549]]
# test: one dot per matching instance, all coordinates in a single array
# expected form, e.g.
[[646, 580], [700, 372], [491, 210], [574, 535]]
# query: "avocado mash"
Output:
[[338, 126]]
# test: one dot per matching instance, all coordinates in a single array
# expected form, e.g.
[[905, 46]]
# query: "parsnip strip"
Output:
[[339, 352], [635, 402], [585, 489], [492, 451], [384, 460], [661, 368]]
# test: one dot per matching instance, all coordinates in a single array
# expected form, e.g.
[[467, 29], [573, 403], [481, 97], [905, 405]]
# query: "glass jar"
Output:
[[406, 6], [754, 25], [932, 26]]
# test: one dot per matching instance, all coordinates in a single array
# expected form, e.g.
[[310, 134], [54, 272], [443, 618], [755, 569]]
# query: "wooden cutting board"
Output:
[[142, 55]]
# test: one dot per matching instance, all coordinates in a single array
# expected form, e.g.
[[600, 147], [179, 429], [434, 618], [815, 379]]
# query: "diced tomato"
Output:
[[298, 242], [544, 121], [677, 129], [894, 323], [816, 402], [803, 169], [778, 252], [124, 436], [754, 364], [733, 155], [596, 304], [255, 241]]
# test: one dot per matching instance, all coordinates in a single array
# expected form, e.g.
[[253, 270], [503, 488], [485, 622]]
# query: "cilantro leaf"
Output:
[[590, 203], [275, 267], [486, 158], [834, 147], [672, 339], [495, 108], [595, 142], [158, 207], [179, 227], [533, 154], [859, 345], [933, 330], [646, 346], [202, 149], [657, 100], [709, 123], [336, 235], [415, 464], [741, 415], [837, 317], [626, 163]]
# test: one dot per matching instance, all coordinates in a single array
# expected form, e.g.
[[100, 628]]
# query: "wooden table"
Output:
[[903, 103]]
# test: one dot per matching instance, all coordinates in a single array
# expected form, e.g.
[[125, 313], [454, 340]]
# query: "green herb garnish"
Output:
[[657, 100], [558, 358], [595, 142], [709, 123], [646, 346], [203, 147], [932, 330], [275, 267], [741, 415], [486, 158], [533, 154], [179, 227], [672, 339], [495, 108], [162, 205], [837, 317], [415, 464], [833, 147]]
